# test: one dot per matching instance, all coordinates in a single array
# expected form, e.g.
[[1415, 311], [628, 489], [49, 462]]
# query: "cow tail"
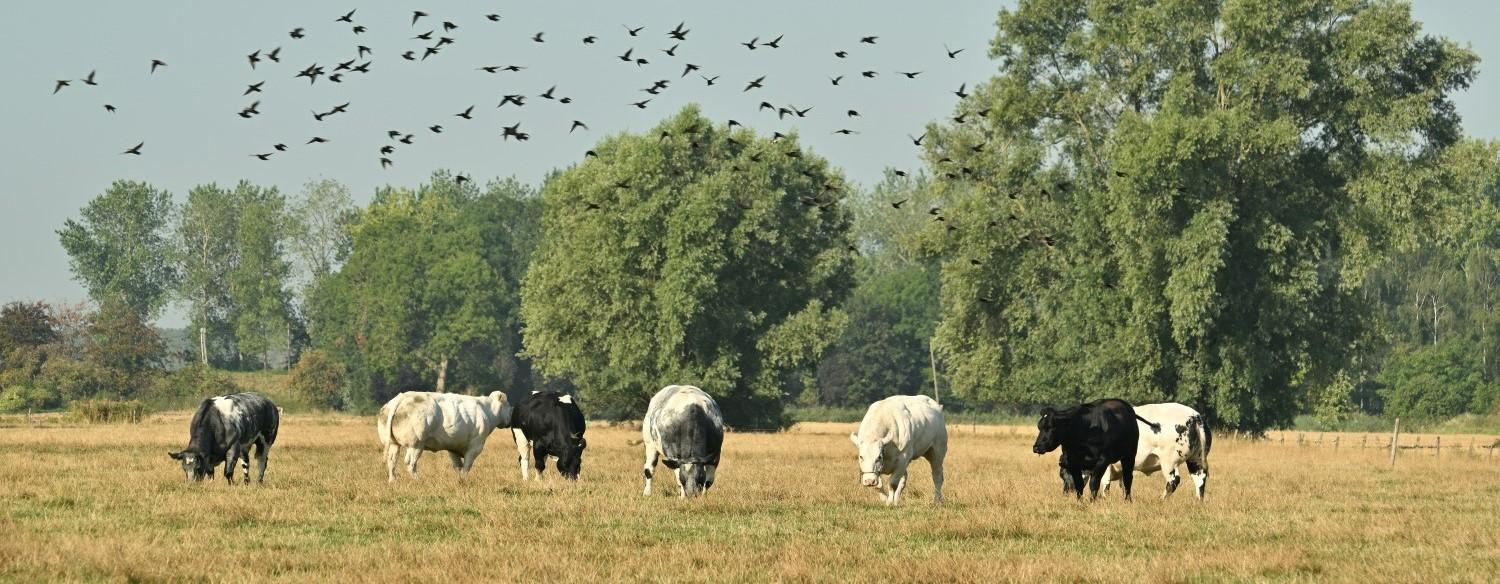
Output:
[[390, 418], [1200, 430], [1155, 427]]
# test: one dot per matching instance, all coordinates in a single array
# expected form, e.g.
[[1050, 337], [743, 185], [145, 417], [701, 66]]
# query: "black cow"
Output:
[[548, 423], [222, 431], [1092, 436]]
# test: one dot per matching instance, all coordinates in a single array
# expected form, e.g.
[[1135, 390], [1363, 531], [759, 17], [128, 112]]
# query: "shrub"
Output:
[[20, 398], [319, 379], [104, 411], [187, 386]]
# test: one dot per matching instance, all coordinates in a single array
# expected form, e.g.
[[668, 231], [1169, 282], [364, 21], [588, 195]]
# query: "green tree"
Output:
[[206, 253], [120, 246], [123, 344], [25, 325], [1180, 200], [259, 297], [690, 254]]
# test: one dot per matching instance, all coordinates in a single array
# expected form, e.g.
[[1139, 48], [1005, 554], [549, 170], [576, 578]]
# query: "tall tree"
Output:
[[259, 296], [690, 254], [206, 254], [1197, 191], [119, 247], [318, 227]]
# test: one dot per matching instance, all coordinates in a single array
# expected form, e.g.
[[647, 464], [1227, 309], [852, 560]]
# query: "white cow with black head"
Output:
[[895, 431], [683, 428], [429, 421]]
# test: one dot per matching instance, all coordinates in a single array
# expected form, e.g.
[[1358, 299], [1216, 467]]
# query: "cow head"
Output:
[[571, 460], [500, 406], [194, 465], [875, 457], [1049, 431], [694, 477]]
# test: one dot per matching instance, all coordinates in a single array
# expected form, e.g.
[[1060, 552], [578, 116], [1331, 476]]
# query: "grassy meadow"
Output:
[[104, 503]]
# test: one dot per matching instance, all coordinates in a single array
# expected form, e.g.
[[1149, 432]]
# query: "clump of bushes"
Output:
[[319, 379], [106, 411], [185, 387]]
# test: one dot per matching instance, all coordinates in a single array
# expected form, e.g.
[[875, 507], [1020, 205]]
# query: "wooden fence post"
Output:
[[1335, 443], [1362, 440], [1439, 448], [1395, 432]]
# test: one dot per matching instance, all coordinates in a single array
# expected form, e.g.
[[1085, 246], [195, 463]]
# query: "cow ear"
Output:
[[854, 438], [175, 455], [1047, 411]]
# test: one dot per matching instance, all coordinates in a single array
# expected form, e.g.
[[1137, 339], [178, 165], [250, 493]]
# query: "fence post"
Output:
[[1320, 439], [1283, 438], [1439, 448], [1395, 432], [1362, 440], [1471, 446], [1335, 443]]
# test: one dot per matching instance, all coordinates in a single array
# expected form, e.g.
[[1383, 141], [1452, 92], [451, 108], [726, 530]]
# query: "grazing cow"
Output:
[[683, 428], [1184, 439], [428, 421], [548, 423], [895, 431], [223, 429], [1092, 436]]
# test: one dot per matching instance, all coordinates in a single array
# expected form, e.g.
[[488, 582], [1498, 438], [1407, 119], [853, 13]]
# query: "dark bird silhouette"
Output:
[[852, 114], [363, 50], [756, 84], [387, 149], [688, 69], [841, 54], [641, 104], [316, 116], [733, 123], [710, 80], [801, 113], [109, 108], [363, 67], [845, 131], [385, 162], [317, 140], [899, 172], [869, 74], [426, 36], [460, 179], [90, 79], [775, 43], [61, 83], [296, 33], [253, 88], [155, 63], [952, 54], [406, 139], [565, 100], [493, 17], [751, 45], [436, 129], [274, 55], [548, 94], [280, 147], [346, 65], [537, 38], [359, 29], [393, 134], [626, 57], [429, 51], [590, 154], [416, 15], [912, 75], [641, 61], [633, 31], [489, 69], [918, 140], [311, 73], [836, 80], [409, 55], [589, 40], [251, 111], [869, 40], [254, 58], [448, 26], [263, 157], [961, 118], [679, 33], [782, 112], [576, 125], [349, 18], [514, 132], [898, 204], [672, 52], [519, 100], [136, 150], [961, 93], [766, 105], [443, 41]]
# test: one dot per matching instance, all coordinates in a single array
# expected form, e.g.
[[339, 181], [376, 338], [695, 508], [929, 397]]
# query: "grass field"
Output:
[[105, 503]]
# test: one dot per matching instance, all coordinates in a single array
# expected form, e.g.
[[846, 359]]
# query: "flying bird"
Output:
[[363, 50], [448, 26], [869, 74], [273, 55], [756, 84], [317, 140], [136, 150], [641, 104], [626, 57], [109, 108], [576, 125], [688, 69], [918, 140], [841, 54], [775, 44], [538, 38], [912, 75], [869, 40], [253, 88], [672, 52], [254, 58], [385, 162], [416, 15], [515, 132], [359, 29], [296, 33], [436, 129], [898, 204], [519, 100], [751, 45], [251, 111], [836, 80], [493, 17], [155, 63], [852, 113], [708, 80], [90, 79], [952, 54], [548, 94], [589, 40], [263, 157], [349, 18], [633, 31], [961, 93], [280, 147], [61, 83]]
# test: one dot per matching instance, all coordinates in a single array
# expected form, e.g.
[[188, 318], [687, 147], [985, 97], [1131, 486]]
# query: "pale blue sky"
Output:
[[61, 150]]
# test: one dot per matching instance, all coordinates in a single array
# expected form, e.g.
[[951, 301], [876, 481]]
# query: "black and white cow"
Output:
[[548, 423], [222, 431], [683, 428], [1184, 440], [1092, 436]]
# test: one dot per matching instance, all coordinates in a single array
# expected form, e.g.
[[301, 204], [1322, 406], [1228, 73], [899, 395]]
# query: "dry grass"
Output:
[[105, 503]]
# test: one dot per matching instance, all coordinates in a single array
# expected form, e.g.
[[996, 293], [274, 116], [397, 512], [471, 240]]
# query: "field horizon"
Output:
[[104, 503]]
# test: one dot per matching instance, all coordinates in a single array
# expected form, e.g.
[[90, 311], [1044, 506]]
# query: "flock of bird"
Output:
[[439, 39]]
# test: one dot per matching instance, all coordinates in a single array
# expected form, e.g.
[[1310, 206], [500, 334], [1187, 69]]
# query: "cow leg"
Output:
[[539, 458], [392, 455], [652, 457], [898, 483], [1098, 477], [1172, 476], [1200, 476], [413, 453], [245, 462], [935, 458], [471, 455], [1127, 471], [231, 459], [523, 447], [457, 460], [1109, 476], [262, 454]]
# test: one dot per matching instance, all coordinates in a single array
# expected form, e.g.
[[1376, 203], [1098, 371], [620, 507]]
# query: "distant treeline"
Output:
[[1262, 216]]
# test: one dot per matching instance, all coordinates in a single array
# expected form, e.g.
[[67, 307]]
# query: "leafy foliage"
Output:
[[120, 246], [690, 254]]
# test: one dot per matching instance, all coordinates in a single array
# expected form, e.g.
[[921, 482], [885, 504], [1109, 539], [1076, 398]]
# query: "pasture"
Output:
[[104, 503]]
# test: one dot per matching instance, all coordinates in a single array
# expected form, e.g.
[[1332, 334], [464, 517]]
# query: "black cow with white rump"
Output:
[[1092, 437], [548, 423], [222, 431]]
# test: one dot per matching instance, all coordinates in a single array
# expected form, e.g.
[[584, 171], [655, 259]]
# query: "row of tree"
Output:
[[1260, 209]]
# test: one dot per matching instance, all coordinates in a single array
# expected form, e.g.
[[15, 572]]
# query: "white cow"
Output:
[[895, 431], [1184, 439], [684, 429], [424, 420]]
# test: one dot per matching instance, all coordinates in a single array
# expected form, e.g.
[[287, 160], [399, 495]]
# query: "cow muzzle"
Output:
[[869, 479]]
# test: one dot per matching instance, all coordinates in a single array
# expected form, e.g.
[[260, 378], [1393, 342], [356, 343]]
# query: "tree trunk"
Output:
[[932, 362], [442, 371], [203, 344]]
